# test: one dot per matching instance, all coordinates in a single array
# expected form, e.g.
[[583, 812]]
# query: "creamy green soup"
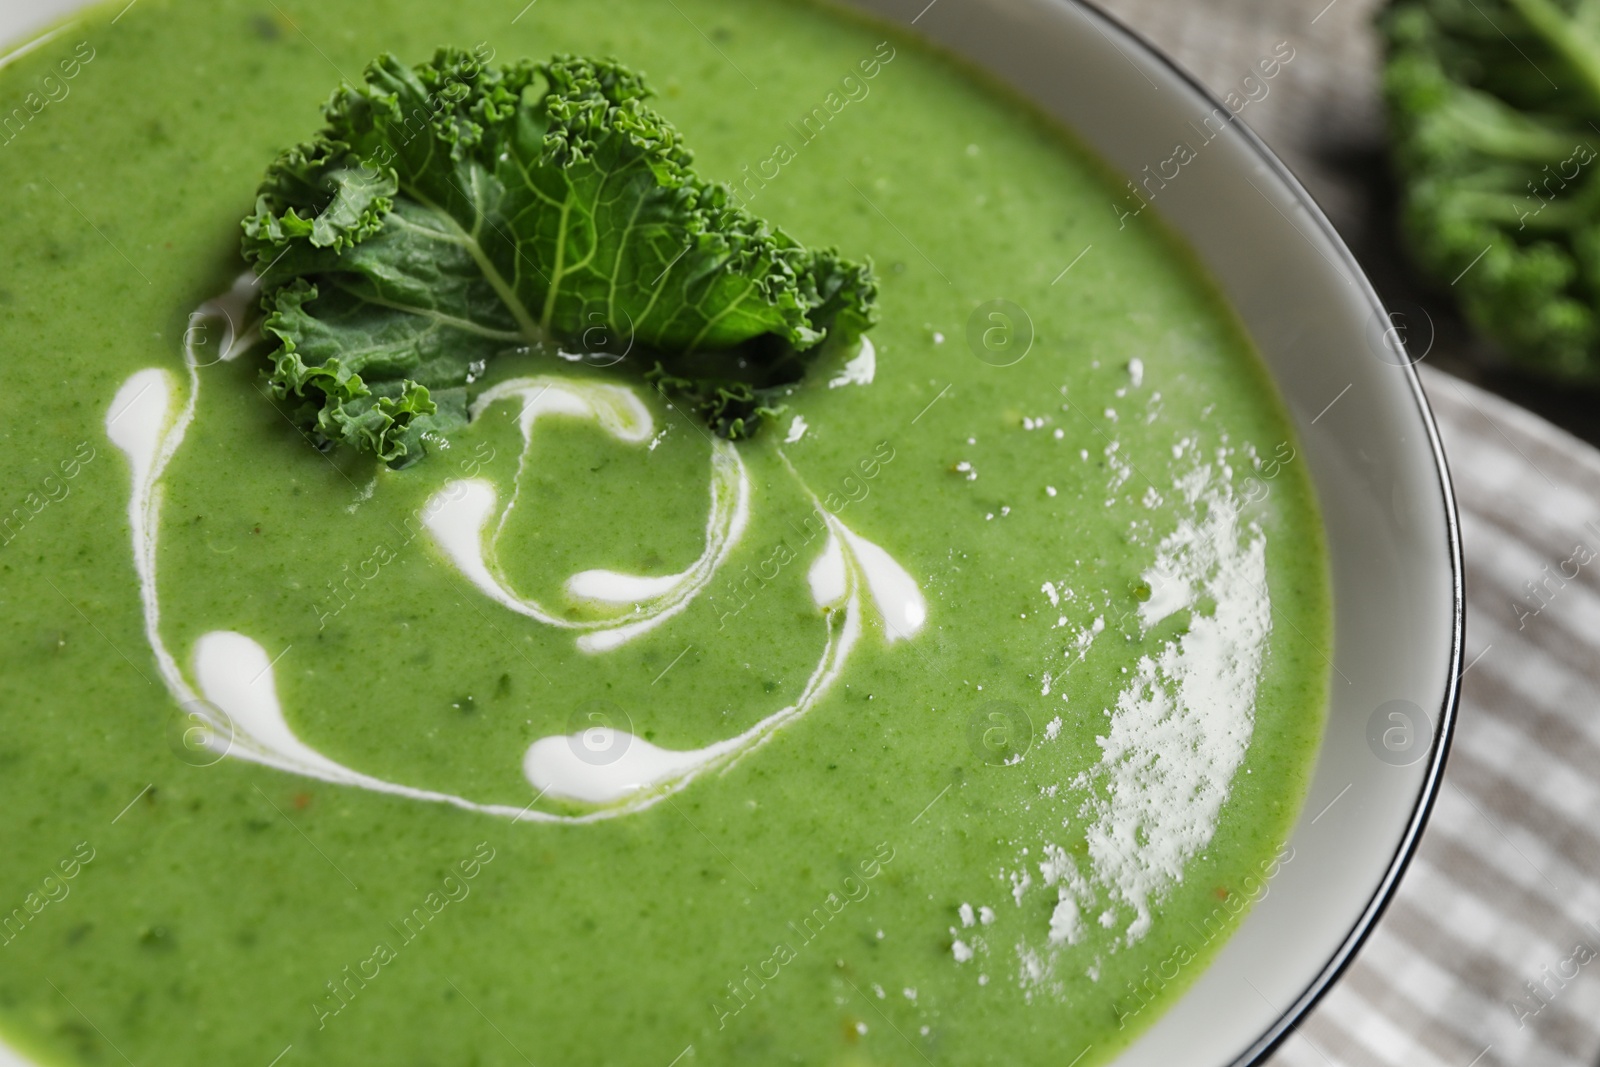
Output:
[[955, 718]]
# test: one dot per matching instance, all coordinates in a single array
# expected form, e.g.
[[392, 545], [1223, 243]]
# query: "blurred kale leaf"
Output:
[[1494, 114]]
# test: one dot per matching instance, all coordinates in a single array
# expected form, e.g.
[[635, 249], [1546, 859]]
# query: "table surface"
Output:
[[1490, 953]]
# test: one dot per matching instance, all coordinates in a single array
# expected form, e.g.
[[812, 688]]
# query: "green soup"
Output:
[[973, 700]]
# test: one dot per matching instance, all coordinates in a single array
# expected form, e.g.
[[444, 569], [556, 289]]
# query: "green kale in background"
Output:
[[453, 212], [1494, 111]]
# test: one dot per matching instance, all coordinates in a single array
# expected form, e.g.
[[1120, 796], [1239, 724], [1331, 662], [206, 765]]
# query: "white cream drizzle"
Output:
[[235, 690], [238, 331], [458, 514], [240, 704], [861, 369], [898, 599], [848, 564], [554, 764]]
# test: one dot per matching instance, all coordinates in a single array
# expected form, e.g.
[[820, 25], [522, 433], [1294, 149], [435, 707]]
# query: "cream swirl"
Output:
[[230, 686]]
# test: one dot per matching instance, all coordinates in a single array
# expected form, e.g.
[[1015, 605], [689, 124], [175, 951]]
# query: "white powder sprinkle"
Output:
[[961, 951], [1064, 925], [797, 429], [1181, 729], [363, 496], [1020, 881], [1086, 638], [1174, 739]]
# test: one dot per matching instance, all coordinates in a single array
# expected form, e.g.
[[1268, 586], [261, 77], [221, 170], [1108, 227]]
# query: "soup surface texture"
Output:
[[978, 692]]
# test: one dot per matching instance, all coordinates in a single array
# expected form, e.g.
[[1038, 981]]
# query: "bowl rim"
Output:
[[1290, 1018]]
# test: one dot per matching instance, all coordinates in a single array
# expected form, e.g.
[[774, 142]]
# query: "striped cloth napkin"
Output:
[[1490, 952]]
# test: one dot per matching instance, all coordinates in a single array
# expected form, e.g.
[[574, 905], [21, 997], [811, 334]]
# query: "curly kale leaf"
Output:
[[453, 212], [1494, 111]]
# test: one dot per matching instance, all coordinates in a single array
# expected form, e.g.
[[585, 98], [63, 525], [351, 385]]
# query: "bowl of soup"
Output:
[[1063, 673]]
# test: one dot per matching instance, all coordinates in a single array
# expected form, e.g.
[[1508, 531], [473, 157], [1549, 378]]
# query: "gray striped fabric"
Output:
[[1490, 954]]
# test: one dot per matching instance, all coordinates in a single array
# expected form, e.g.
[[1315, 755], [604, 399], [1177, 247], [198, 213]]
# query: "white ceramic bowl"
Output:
[[1374, 455]]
